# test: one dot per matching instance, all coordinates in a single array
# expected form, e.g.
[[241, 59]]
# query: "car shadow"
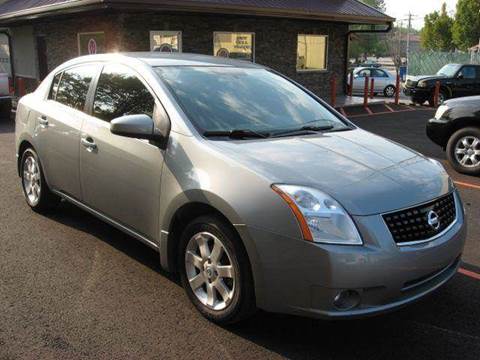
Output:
[[7, 126], [74, 217], [443, 325]]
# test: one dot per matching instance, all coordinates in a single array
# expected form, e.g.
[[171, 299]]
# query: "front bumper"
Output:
[[417, 94], [299, 277], [439, 131]]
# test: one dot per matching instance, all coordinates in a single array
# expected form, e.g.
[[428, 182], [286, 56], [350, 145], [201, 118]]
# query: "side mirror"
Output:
[[460, 76], [135, 126]]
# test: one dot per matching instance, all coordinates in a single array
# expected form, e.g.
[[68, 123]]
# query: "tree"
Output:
[[466, 28], [437, 31], [377, 4], [369, 44]]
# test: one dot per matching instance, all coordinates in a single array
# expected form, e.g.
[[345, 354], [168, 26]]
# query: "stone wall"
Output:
[[275, 39]]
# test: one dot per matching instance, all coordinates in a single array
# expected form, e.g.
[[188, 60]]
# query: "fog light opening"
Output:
[[346, 300]]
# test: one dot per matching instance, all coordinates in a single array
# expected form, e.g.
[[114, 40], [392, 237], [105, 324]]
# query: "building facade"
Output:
[[310, 48]]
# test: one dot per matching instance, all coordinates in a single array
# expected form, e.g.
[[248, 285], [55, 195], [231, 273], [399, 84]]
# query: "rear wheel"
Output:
[[35, 189], [215, 271], [389, 91], [463, 151]]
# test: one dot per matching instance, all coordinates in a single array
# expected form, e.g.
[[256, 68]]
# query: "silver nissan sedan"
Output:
[[254, 190]]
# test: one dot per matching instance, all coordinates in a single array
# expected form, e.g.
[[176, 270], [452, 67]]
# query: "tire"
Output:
[[238, 301], [463, 151], [35, 188], [442, 97], [389, 91]]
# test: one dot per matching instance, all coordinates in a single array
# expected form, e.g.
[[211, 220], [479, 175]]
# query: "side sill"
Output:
[[106, 219]]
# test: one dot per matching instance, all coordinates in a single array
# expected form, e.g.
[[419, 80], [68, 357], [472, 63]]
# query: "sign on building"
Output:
[[91, 43]]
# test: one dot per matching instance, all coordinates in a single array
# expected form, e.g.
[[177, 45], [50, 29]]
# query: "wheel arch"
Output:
[[461, 123], [24, 145], [184, 209]]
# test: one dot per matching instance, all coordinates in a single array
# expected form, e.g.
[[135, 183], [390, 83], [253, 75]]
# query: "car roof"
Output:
[[155, 59]]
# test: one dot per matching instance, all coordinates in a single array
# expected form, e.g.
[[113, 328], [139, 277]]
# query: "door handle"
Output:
[[43, 121], [88, 143]]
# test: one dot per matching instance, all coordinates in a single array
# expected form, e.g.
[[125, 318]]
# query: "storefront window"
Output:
[[312, 52], [166, 41], [91, 43], [234, 45]]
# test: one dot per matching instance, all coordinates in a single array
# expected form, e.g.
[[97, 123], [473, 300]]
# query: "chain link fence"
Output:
[[429, 62]]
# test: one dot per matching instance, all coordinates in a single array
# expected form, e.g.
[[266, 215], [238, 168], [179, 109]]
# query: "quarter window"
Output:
[[311, 52], [74, 85], [53, 90], [120, 92], [166, 41], [234, 45]]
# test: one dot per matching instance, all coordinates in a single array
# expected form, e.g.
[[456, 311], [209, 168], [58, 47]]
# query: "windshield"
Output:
[[227, 99], [448, 70]]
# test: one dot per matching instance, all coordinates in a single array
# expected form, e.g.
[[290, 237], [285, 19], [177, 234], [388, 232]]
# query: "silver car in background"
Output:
[[384, 81], [249, 186]]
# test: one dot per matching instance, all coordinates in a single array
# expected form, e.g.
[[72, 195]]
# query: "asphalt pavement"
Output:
[[72, 287]]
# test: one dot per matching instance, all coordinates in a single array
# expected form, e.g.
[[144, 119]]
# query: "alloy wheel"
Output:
[[467, 151], [31, 180], [441, 98], [389, 91], [210, 271]]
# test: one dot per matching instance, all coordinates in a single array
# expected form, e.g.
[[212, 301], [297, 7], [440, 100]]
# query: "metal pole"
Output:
[[365, 93], [408, 39], [436, 94], [397, 89], [333, 90]]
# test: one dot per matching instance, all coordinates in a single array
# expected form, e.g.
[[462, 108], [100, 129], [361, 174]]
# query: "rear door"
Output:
[[121, 176], [381, 79], [59, 121]]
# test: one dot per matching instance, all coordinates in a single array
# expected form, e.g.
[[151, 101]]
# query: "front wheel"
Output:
[[442, 97], [463, 151], [389, 91], [215, 271], [35, 189]]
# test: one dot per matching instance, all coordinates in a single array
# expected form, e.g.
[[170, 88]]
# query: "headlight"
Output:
[[422, 84], [321, 218], [442, 109]]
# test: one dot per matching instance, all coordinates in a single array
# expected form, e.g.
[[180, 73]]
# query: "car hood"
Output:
[[367, 174], [470, 101], [426, 77]]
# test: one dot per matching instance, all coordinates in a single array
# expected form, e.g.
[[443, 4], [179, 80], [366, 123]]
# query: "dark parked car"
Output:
[[456, 127], [455, 81]]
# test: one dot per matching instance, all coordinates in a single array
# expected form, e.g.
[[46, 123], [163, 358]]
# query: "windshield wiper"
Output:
[[236, 134], [304, 130]]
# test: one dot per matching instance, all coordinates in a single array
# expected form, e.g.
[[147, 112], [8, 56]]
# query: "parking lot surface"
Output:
[[72, 287]]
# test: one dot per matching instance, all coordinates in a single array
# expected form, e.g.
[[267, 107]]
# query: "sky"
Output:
[[419, 8]]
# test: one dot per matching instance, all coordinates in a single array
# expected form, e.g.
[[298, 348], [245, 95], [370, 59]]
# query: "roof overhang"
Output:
[[76, 6]]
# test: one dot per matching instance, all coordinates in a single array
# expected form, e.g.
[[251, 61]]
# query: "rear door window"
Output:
[[120, 92], [379, 73], [74, 84]]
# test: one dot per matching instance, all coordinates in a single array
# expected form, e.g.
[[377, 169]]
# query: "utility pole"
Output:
[[408, 38]]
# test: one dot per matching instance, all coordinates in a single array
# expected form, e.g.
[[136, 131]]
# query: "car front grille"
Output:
[[422, 222], [410, 83]]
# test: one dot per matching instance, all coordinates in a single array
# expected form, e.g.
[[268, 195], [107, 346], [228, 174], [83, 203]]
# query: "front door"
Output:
[[120, 176], [466, 82], [59, 122]]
